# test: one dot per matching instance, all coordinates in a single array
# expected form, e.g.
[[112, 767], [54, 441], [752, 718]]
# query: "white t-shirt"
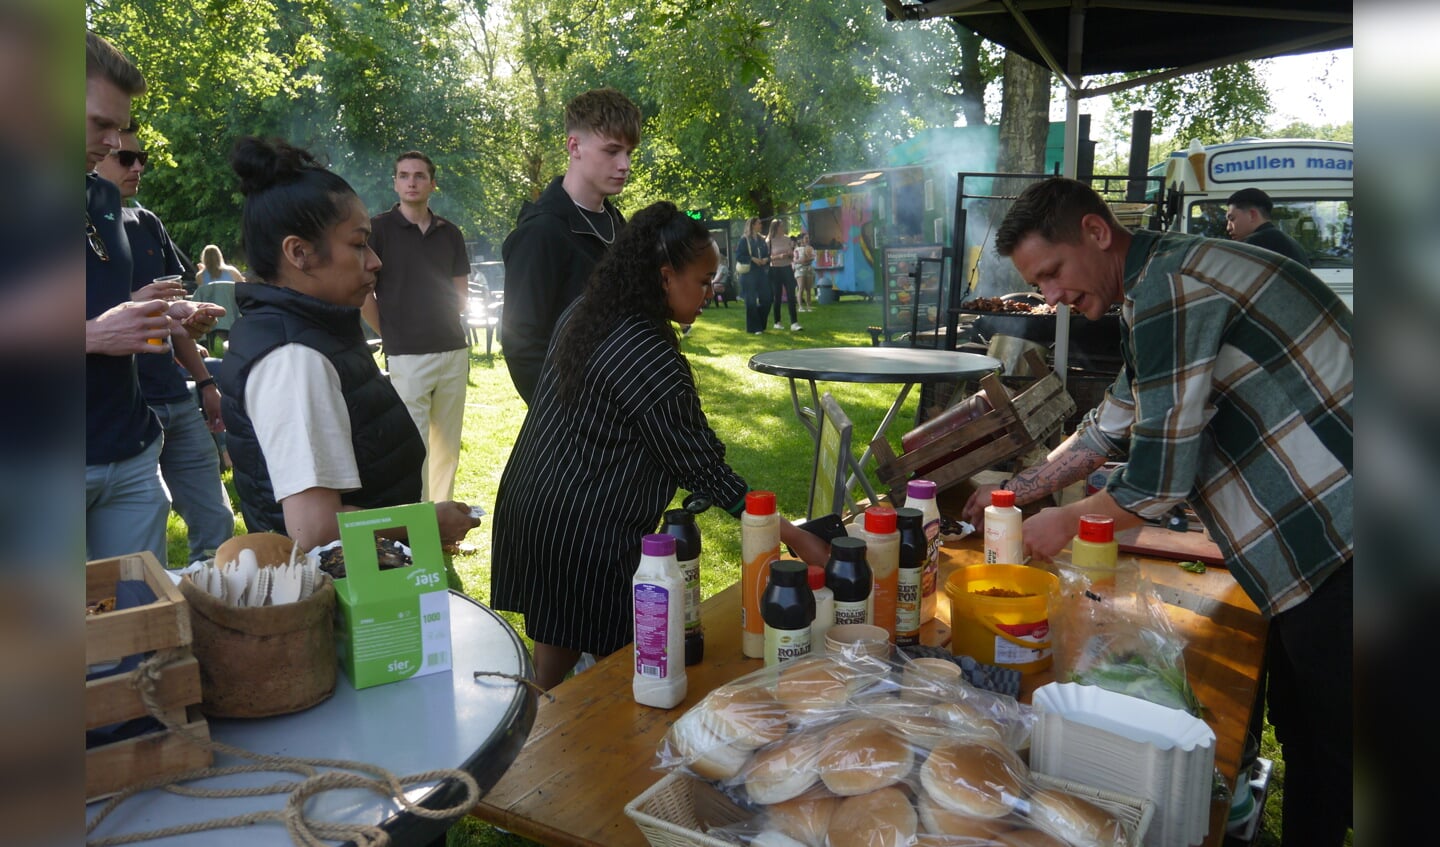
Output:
[[301, 421]]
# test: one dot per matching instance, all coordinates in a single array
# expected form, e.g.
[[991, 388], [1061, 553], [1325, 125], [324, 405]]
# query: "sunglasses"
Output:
[[128, 158]]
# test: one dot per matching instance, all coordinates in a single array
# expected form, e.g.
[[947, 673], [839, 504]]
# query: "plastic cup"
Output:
[[855, 640]]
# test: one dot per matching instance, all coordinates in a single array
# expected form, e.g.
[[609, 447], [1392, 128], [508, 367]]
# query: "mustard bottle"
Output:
[[1095, 548]]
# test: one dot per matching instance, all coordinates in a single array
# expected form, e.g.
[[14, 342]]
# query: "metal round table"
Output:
[[905, 366], [445, 720]]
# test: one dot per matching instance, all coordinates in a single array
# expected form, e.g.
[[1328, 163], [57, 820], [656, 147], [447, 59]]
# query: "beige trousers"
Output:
[[432, 385]]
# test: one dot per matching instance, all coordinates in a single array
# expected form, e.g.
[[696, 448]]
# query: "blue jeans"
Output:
[[126, 507], [191, 471]]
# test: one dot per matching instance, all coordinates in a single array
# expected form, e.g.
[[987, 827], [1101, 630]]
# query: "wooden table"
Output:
[[592, 750]]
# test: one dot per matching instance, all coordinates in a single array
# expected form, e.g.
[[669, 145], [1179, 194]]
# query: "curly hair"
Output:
[[627, 283]]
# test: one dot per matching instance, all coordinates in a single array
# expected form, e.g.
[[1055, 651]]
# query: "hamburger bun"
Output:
[[1029, 838], [805, 819], [774, 838], [747, 717], [1074, 819], [706, 754], [968, 719], [938, 820], [881, 818], [814, 684], [974, 778], [782, 771], [864, 755]]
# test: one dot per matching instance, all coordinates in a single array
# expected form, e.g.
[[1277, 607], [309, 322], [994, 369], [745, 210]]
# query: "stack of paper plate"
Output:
[[1132, 746]]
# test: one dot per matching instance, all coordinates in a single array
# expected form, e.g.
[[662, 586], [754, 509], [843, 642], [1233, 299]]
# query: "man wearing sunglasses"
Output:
[[189, 461], [125, 502]]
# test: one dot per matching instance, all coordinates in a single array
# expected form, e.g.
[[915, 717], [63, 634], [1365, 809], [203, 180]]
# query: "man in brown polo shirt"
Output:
[[418, 308]]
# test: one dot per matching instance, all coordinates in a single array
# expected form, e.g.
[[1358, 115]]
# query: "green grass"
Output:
[[752, 414]]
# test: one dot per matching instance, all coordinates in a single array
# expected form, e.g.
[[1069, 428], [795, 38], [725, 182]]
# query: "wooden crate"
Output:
[[161, 625], [1012, 426]]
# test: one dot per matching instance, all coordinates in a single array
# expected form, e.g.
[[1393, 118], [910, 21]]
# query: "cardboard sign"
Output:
[[393, 624]]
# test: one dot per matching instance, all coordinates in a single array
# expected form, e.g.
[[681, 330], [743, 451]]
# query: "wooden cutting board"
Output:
[[1164, 543]]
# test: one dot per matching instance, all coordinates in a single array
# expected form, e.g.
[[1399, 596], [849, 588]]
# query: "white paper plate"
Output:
[[1126, 716]]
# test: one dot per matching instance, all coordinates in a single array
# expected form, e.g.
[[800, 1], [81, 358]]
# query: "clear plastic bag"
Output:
[[1110, 629], [833, 751]]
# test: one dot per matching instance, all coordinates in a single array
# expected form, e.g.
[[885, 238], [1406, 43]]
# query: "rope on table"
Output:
[[303, 831]]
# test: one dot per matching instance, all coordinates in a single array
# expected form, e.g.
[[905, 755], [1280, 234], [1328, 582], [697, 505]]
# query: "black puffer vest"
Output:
[[388, 447]]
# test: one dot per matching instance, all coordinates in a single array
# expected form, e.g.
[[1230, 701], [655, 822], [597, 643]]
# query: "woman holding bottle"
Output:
[[615, 431]]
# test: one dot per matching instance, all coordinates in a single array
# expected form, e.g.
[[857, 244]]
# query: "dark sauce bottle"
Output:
[[847, 574], [788, 609], [913, 553], [680, 523]]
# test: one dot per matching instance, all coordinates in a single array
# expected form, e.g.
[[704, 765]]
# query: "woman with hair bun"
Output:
[[616, 429], [314, 428]]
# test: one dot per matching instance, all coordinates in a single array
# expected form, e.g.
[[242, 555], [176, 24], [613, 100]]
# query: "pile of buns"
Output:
[[851, 753]]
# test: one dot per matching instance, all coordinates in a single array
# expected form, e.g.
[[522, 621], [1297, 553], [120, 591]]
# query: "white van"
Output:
[[1310, 182]]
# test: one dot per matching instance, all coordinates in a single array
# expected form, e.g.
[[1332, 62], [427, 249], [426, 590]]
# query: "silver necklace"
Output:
[[606, 241]]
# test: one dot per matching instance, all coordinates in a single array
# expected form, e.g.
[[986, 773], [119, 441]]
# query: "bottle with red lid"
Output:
[[824, 608], [882, 553], [1095, 546], [1004, 544]]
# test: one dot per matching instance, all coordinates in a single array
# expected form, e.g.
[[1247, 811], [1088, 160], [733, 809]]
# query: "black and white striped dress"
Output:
[[587, 479]]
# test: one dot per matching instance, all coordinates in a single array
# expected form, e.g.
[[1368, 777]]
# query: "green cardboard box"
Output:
[[392, 624]]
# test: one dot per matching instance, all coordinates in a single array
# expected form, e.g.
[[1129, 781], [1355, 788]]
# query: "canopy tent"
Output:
[[1078, 38]]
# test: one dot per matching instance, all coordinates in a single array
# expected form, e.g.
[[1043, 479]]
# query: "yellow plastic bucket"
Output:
[[1013, 632]]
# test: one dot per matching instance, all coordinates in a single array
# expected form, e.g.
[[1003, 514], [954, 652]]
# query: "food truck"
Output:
[[873, 228], [1311, 183]]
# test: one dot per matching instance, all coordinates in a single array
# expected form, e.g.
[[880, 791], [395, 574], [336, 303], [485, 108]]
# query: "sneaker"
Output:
[[777, 325], [795, 327], [758, 332]]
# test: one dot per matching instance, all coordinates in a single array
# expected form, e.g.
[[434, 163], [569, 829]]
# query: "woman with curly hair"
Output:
[[616, 429]]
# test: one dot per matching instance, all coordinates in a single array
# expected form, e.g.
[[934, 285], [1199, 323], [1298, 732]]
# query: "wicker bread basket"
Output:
[[675, 811]]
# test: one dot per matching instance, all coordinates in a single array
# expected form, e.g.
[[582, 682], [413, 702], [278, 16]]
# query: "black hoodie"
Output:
[[548, 258]]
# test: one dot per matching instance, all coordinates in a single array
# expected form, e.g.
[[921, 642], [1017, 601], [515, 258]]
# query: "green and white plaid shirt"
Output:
[[1236, 398]]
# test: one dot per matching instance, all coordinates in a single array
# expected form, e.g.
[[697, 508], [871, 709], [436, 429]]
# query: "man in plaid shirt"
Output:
[[1235, 398]]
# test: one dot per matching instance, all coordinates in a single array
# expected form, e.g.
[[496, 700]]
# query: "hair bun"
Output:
[[261, 164]]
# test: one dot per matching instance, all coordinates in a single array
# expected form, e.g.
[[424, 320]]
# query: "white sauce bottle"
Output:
[[658, 591], [1003, 541]]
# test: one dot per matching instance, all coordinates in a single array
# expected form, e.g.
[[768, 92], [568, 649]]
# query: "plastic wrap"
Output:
[[860, 752], [1110, 629]]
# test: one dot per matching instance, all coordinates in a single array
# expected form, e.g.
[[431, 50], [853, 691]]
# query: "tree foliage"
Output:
[[745, 102]]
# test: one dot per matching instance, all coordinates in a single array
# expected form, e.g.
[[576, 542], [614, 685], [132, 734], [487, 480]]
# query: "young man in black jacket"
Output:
[[559, 238]]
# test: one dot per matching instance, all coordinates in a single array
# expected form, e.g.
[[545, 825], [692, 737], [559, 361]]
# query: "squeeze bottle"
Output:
[[1095, 551], [911, 526], [1003, 543], [848, 577], [658, 591], [882, 553], [824, 608], [759, 546], [788, 608], [680, 523], [920, 494]]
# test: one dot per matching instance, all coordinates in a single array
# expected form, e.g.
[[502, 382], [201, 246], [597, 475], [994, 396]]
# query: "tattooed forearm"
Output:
[[1071, 462]]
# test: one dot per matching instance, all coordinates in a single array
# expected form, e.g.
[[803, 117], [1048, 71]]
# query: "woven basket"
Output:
[[675, 811], [263, 661]]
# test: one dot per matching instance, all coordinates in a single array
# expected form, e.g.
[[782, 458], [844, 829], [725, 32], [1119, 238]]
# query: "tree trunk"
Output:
[[969, 76], [1024, 125]]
